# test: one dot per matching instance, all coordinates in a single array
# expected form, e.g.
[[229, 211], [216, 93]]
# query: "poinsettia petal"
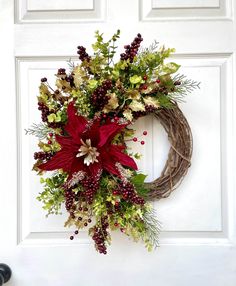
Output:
[[67, 143], [109, 164], [76, 124], [92, 132], [76, 166], [61, 160], [116, 152], [95, 169], [108, 131]]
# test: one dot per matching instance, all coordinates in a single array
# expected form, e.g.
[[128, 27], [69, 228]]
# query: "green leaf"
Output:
[[52, 117], [164, 101], [170, 68], [139, 179], [92, 83], [135, 79]]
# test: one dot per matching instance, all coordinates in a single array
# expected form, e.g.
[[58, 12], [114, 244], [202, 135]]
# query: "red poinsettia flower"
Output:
[[88, 147]]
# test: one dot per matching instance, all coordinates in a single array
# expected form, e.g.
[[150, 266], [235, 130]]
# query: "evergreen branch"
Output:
[[151, 49], [40, 130], [186, 86], [153, 226], [71, 64]]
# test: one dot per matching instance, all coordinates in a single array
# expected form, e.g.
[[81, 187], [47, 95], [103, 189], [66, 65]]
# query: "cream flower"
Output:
[[133, 94], [112, 103], [128, 114], [79, 76], [137, 106], [149, 100], [88, 151]]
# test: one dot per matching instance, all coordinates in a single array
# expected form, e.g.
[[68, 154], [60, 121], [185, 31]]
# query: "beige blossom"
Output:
[[133, 94], [79, 76], [149, 100], [128, 114], [136, 105], [112, 103]]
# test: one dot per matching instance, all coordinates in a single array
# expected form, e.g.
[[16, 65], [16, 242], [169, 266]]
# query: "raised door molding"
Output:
[[60, 11], [159, 10], [208, 204]]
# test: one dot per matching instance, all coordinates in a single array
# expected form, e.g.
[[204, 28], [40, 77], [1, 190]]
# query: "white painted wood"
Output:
[[162, 10], [185, 4], [44, 5], [32, 11], [197, 245]]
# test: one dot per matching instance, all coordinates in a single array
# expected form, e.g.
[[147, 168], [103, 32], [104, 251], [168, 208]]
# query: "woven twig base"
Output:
[[180, 153]]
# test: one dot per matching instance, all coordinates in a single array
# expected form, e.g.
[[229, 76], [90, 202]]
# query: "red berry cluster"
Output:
[[43, 155], [44, 79], [109, 207], [61, 72], [100, 235], [44, 115], [177, 82], [44, 111], [135, 139], [132, 49], [128, 193], [69, 196], [99, 98], [91, 186], [70, 79], [83, 56]]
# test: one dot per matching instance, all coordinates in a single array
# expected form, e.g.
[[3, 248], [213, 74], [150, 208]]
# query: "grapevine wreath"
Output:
[[83, 139]]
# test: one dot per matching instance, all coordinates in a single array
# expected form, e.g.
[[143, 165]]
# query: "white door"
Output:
[[197, 243]]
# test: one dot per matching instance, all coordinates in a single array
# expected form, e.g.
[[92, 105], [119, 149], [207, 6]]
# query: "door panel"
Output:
[[197, 243]]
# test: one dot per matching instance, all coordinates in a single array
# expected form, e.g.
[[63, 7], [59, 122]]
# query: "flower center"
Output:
[[88, 151]]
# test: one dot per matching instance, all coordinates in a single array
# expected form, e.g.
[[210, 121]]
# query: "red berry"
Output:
[[116, 224], [145, 86], [49, 142], [135, 139], [145, 132], [50, 134], [117, 204], [145, 77], [158, 81], [142, 142], [115, 193], [116, 118], [104, 116]]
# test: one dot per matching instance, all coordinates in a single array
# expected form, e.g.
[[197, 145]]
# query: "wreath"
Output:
[[85, 162]]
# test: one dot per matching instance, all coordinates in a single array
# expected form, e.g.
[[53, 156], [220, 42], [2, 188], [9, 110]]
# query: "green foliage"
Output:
[[170, 68], [82, 103], [103, 53], [186, 86], [53, 195], [151, 59], [40, 130], [165, 101], [152, 228], [138, 181]]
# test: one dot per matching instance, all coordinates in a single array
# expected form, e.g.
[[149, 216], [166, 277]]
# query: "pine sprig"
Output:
[[40, 130], [151, 49], [71, 65], [186, 86], [153, 227]]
